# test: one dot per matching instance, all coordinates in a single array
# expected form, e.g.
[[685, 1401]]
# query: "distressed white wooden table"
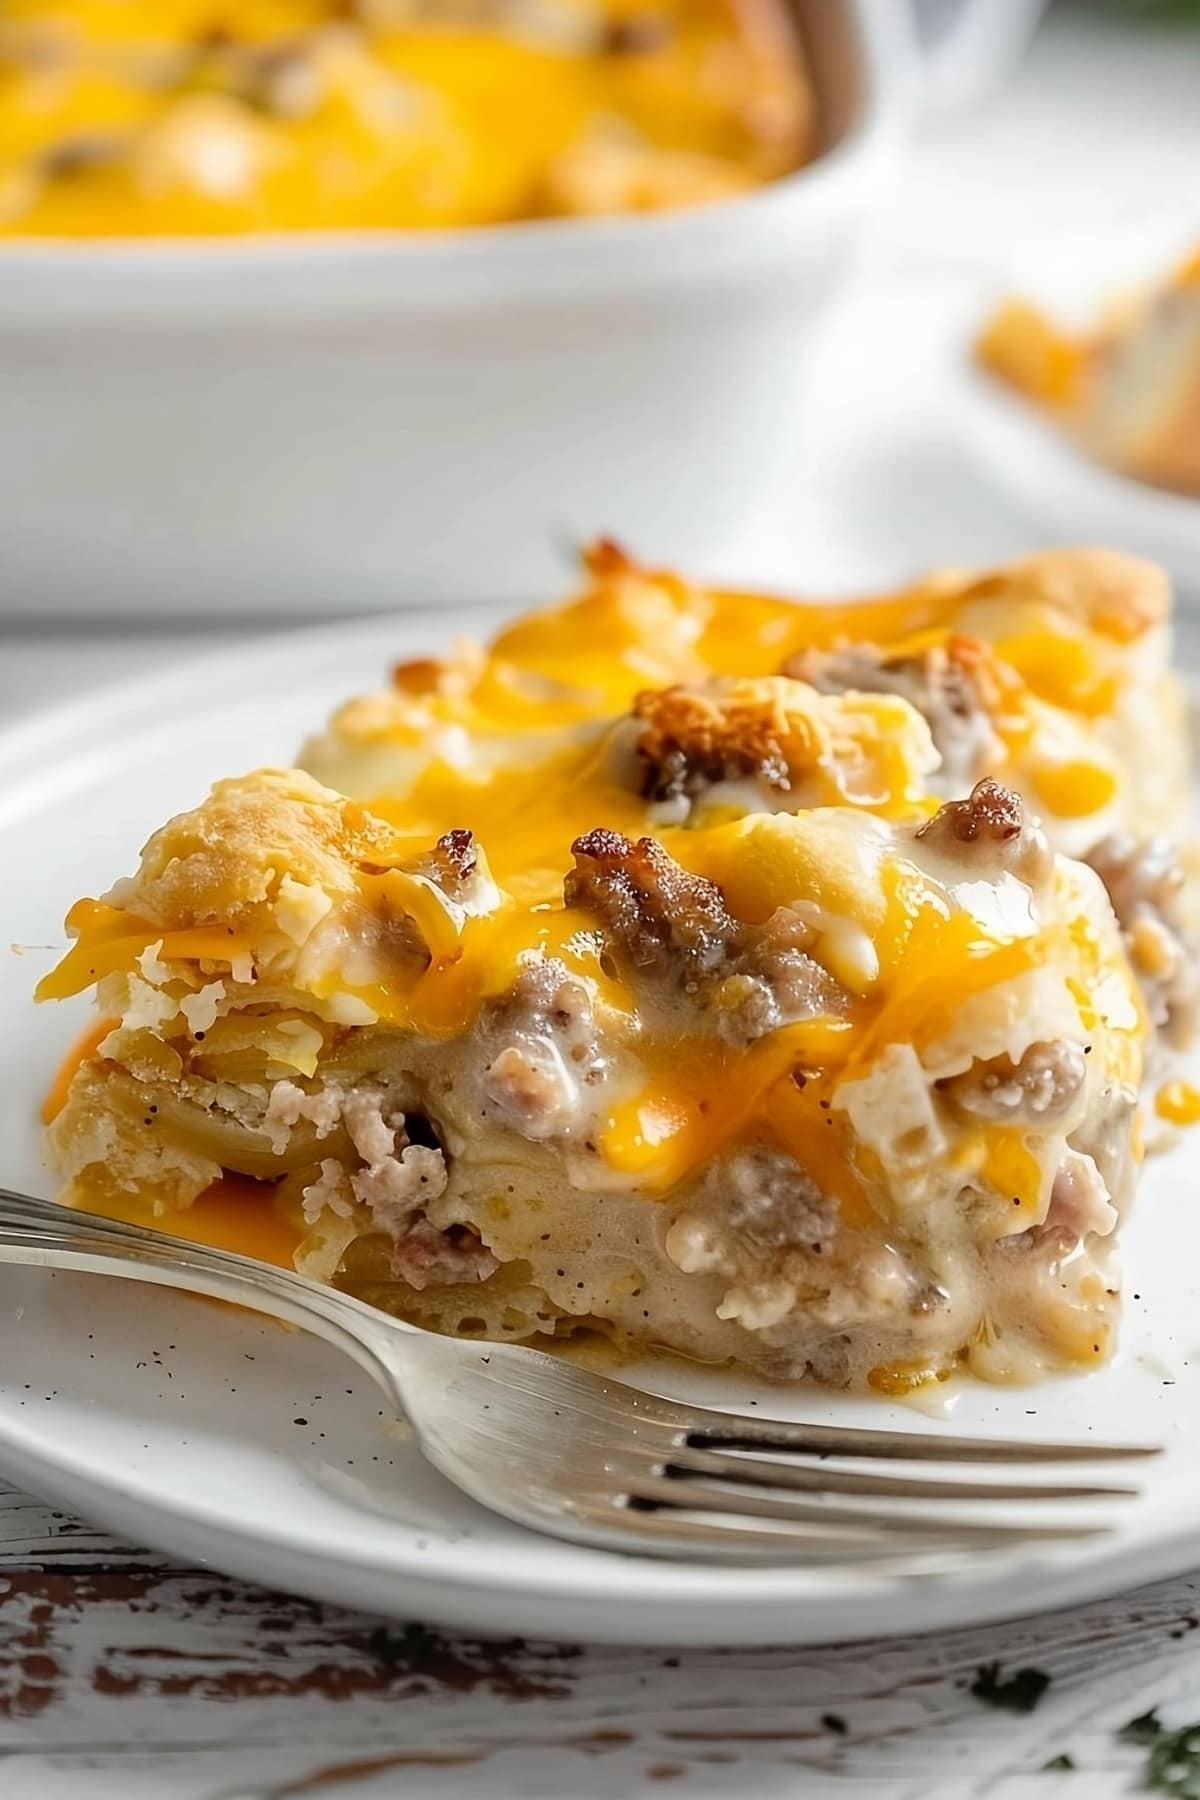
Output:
[[125, 1678], [122, 1678]]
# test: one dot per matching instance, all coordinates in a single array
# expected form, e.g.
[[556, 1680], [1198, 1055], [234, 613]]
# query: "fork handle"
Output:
[[40, 1234]]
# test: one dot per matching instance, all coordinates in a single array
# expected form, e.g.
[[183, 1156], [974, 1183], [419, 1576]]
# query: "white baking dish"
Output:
[[310, 424]]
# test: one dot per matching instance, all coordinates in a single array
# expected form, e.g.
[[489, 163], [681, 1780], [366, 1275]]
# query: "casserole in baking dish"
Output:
[[290, 115], [297, 421]]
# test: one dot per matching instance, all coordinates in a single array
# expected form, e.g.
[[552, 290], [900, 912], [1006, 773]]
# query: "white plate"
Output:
[[223, 1440], [1025, 455]]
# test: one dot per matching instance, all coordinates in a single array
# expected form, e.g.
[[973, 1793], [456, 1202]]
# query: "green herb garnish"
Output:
[[1018, 1692], [1174, 1764], [1145, 1729]]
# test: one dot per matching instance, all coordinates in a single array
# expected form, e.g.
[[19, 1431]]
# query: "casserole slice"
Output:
[[1128, 391], [845, 1090]]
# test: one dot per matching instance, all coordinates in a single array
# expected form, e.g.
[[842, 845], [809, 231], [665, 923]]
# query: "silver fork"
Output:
[[564, 1451]]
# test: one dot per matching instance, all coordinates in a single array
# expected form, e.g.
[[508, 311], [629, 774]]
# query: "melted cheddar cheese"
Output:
[[1067, 654], [909, 946], [199, 116]]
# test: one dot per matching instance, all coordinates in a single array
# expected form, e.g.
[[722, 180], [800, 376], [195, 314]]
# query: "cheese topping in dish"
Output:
[[656, 988], [1127, 390], [199, 116]]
